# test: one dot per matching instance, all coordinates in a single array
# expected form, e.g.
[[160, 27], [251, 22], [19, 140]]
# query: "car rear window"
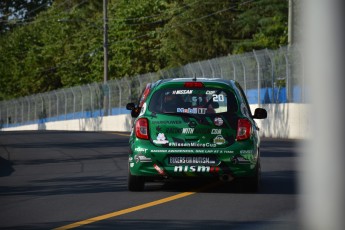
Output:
[[193, 101]]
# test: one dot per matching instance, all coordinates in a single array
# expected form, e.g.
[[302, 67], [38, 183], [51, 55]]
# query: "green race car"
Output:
[[188, 127]]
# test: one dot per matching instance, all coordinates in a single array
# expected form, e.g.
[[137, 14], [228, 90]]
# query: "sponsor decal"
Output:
[[159, 170], [216, 131], [187, 130], [161, 139], [159, 151], [208, 151], [208, 92], [228, 151], [187, 110], [192, 110], [203, 145], [182, 91], [141, 158], [130, 159], [217, 151], [218, 121], [131, 165], [240, 160], [203, 160], [139, 149], [193, 168], [180, 151], [249, 151], [202, 110], [219, 140]]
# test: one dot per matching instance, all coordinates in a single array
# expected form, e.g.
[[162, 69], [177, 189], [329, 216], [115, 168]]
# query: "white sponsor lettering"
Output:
[[246, 151], [139, 149], [202, 110], [188, 130], [204, 145], [194, 168], [141, 158], [182, 91], [191, 160], [208, 92], [216, 131]]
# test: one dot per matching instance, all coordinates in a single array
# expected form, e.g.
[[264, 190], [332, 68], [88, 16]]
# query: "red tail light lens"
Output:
[[142, 128], [193, 84], [243, 129]]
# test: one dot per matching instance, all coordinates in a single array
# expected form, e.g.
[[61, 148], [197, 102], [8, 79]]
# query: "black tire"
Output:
[[136, 183]]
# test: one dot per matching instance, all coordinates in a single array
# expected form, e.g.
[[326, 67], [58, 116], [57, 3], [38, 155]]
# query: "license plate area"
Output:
[[206, 160]]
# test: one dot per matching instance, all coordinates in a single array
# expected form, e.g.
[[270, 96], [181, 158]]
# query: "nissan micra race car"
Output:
[[194, 128]]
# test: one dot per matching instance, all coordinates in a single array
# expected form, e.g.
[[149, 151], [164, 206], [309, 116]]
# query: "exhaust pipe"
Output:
[[226, 177]]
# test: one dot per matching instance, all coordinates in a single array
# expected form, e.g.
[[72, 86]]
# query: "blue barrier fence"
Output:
[[267, 96]]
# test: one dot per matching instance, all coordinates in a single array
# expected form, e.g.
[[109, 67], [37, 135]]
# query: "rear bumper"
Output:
[[238, 160]]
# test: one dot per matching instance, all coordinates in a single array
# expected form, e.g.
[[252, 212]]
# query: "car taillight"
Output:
[[142, 128], [243, 129]]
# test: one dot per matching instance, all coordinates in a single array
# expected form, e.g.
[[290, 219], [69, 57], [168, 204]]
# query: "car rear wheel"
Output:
[[135, 183]]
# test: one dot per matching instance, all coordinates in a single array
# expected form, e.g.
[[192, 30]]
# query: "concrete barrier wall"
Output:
[[109, 123], [288, 120]]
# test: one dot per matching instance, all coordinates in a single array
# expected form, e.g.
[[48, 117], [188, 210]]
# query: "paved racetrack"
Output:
[[52, 179]]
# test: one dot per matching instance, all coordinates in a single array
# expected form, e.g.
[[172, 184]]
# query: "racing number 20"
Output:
[[218, 97]]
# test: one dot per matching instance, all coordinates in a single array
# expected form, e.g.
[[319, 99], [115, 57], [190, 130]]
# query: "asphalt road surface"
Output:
[[55, 179]]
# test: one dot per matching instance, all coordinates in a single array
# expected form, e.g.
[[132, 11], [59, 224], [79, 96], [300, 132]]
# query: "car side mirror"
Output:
[[130, 106], [260, 113], [135, 111]]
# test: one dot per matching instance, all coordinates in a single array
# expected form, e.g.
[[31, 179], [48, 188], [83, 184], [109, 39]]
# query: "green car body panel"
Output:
[[195, 139]]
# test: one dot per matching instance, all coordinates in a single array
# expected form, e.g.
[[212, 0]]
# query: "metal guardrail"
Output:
[[267, 76]]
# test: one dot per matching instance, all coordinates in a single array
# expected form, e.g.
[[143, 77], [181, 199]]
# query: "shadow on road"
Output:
[[281, 182], [68, 185], [168, 224], [6, 168]]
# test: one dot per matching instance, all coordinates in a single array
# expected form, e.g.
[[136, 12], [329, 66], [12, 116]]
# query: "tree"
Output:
[[199, 30], [261, 24], [134, 41], [49, 53], [56, 43]]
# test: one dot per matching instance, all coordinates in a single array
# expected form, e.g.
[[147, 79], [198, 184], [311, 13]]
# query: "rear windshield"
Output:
[[193, 101]]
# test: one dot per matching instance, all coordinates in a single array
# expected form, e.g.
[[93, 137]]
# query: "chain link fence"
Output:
[[267, 76]]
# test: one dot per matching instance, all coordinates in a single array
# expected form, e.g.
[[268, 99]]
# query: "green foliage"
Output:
[[199, 30], [134, 40], [61, 44], [261, 24]]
